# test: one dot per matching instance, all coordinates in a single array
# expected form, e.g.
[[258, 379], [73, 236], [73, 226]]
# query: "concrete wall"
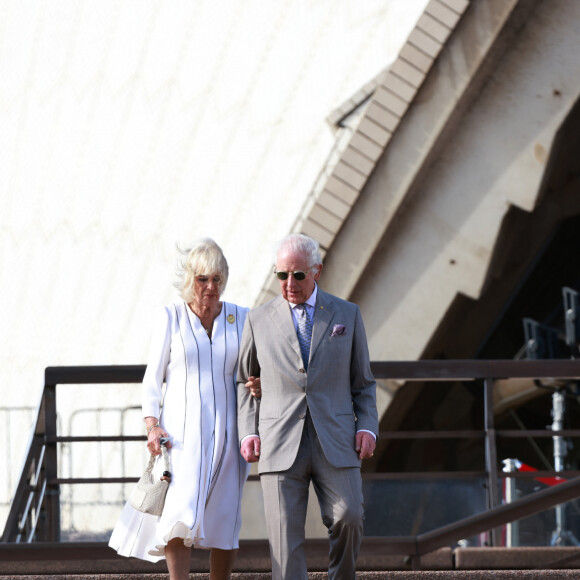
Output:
[[425, 226]]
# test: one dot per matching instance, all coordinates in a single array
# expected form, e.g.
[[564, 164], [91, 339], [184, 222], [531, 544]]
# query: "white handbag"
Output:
[[149, 494]]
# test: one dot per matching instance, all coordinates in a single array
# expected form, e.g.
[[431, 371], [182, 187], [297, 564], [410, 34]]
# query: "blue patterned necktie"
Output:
[[304, 333]]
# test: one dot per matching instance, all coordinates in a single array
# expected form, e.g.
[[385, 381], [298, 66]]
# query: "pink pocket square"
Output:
[[338, 330]]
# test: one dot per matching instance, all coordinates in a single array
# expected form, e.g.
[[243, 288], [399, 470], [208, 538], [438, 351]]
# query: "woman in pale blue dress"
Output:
[[194, 350]]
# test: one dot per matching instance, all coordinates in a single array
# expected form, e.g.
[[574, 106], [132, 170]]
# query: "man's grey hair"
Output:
[[300, 243]]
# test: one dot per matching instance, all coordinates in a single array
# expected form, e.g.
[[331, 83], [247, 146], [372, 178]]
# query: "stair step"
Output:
[[388, 575], [96, 561]]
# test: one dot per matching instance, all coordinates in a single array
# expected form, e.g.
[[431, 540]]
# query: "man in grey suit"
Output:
[[317, 416]]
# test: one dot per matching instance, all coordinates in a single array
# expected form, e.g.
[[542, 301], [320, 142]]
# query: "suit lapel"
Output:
[[322, 317], [282, 317]]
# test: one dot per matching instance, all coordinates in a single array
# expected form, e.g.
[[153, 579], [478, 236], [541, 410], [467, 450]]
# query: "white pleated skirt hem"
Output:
[[179, 530]]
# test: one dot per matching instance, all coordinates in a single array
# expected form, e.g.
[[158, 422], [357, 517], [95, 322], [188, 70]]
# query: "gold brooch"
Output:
[[231, 318]]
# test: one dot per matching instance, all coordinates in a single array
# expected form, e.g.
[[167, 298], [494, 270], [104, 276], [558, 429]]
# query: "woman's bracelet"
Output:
[[149, 429]]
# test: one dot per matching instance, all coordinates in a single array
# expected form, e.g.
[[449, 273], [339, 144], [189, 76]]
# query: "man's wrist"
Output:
[[367, 431], [247, 436]]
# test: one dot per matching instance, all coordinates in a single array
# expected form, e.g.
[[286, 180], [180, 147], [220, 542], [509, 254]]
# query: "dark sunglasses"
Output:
[[298, 275]]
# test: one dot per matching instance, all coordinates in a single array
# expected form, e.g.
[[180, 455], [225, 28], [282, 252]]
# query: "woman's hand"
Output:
[[255, 386], [155, 433]]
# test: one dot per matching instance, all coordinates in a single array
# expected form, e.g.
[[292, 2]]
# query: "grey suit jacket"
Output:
[[338, 389]]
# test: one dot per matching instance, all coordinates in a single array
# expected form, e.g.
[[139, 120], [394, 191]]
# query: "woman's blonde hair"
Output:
[[204, 258]]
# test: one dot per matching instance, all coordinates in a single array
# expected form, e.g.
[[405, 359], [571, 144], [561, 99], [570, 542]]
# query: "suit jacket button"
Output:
[[302, 371], [302, 416]]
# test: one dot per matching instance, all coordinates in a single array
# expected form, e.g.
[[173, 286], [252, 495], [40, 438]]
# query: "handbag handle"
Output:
[[165, 456]]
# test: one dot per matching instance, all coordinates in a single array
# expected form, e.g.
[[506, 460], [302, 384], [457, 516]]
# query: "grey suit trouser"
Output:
[[339, 492]]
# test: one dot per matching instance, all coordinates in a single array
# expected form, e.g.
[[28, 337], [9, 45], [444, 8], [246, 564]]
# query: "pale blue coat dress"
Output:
[[203, 502]]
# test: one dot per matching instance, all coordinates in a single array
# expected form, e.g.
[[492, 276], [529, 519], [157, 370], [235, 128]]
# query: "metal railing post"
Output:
[[491, 456], [51, 466]]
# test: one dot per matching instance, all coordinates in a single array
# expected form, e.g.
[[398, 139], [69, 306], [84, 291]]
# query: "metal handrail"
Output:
[[39, 485], [35, 510], [523, 507]]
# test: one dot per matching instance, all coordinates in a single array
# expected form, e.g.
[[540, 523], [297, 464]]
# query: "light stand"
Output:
[[542, 342], [561, 536]]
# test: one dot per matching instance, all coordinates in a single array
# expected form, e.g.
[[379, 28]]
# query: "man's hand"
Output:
[[250, 449], [364, 444], [254, 385]]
